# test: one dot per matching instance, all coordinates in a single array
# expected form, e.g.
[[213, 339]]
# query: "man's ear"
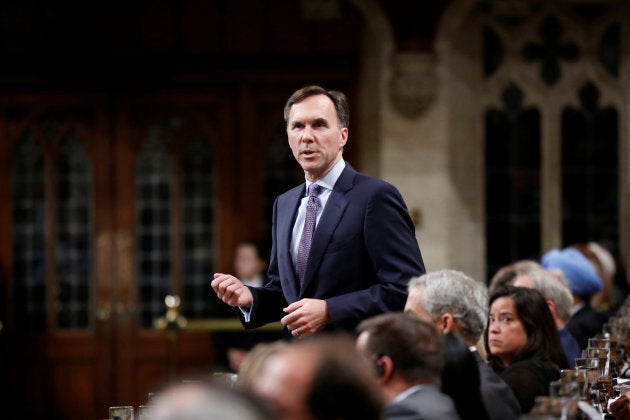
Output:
[[343, 139], [552, 307], [447, 323], [384, 368]]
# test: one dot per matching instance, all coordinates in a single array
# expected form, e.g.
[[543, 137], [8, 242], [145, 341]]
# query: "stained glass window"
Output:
[[74, 235], [153, 229], [512, 181], [197, 229], [28, 235], [589, 171]]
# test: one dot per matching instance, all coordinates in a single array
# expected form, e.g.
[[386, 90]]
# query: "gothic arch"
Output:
[[469, 90]]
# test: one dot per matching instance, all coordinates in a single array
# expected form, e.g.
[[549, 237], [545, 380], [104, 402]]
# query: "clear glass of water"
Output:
[[123, 412]]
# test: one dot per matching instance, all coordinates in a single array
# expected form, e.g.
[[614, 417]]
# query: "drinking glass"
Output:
[[225, 378], [124, 412], [576, 376], [144, 412], [565, 388], [600, 343], [550, 407], [603, 354], [591, 368]]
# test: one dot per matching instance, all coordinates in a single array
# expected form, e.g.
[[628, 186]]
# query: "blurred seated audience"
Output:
[[506, 275], [560, 301], [460, 379], [456, 303], [584, 282], [522, 343], [202, 401], [231, 347], [407, 356], [322, 377], [255, 359], [605, 266]]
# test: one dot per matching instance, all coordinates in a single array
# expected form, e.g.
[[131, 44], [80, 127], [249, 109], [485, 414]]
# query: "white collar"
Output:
[[407, 392], [329, 180]]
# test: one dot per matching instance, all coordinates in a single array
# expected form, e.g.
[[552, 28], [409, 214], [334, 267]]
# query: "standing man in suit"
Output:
[[357, 261], [456, 303]]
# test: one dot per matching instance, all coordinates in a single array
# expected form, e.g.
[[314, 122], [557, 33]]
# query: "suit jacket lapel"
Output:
[[335, 207], [287, 213]]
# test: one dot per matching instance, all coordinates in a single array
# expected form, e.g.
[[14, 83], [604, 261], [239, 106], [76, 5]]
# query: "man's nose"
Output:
[[307, 133]]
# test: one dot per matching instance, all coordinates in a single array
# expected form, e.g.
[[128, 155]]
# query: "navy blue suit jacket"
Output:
[[364, 252]]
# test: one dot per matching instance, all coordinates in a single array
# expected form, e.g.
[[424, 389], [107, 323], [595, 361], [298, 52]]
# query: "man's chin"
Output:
[[309, 166]]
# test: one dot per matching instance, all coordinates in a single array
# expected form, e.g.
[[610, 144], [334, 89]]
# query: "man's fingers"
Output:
[[288, 319], [292, 307], [218, 279], [230, 291], [225, 287]]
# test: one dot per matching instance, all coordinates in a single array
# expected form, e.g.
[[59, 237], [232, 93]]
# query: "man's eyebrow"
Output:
[[320, 120]]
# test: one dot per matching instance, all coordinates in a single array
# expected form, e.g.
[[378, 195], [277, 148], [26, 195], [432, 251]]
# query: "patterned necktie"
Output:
[[312, 206]]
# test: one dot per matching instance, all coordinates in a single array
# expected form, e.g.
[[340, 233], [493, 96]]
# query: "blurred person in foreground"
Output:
[[407, 356], [343, 243], [205, 400], [254, 361], [455, 303], [319, 378], [559, 299], [523, 344]]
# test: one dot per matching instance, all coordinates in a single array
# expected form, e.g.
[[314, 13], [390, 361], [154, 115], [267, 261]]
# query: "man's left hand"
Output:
[[305, 317]]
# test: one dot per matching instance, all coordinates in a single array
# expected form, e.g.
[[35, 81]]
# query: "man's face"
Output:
[[247, 263], [315, 137], [414, 305], [284, 383]]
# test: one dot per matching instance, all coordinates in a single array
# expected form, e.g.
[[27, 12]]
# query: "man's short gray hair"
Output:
[[451, 291], [554, 288]]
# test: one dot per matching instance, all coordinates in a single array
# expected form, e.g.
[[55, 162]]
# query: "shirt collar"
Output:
[[577, 307], [328, 181], [407, 392]]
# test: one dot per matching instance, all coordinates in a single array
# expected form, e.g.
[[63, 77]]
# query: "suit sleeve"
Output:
[[393, 254], [269, 300]]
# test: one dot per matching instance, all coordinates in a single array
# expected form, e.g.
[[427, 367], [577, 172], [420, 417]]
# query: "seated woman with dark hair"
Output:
[[522, 343], [460, 379]]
